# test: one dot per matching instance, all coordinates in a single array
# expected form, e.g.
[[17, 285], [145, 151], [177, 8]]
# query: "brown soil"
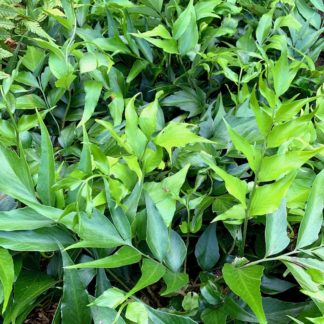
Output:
[[43, 314]]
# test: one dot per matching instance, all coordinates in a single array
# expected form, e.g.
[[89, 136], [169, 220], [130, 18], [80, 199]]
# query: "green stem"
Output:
[[188, 234], [66, 109]]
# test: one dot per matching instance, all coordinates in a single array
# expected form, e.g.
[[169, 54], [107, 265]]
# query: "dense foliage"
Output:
[[161, 161]]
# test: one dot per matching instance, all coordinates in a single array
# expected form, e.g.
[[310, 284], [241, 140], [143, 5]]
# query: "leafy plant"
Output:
[[162, 161]]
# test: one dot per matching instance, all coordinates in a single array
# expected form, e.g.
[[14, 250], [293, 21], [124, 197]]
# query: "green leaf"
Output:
[[28, 287], [282, 76], [22, 219], [152, 272], [30, 101], [42, 240], [246, 282], [266, 199], [137, 312], [147, 118], [263, 28], [46, 174], [181, 24], [177, 252], [275, 166], [135, 137], [174, 282], [74, 302], [244, 146], [27, 78], [88, 63], [276, 236], [33, 59], [189, 38], [291, 129], [111, 298], [166, 193], [290, 108], [236, 187], [124, 256], [137, 68], [157, 234], [263, 120], [312, 220], [206, 250], [7, 274], [177, 135], [92, 93], [302, 277]]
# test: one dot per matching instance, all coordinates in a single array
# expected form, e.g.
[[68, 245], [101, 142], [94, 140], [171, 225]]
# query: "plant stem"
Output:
[[66, 109], [188, 234]]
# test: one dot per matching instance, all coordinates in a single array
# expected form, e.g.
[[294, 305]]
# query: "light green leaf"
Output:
[[41, 240], [236, 187], [157, 234], [46, 174], [88, 62], [181, 24], [234, 215], [137, 312], [246, 282], [266, 199], [33, 58], [177, 135], [124, 256], [152, 272], [263, 28], [166, 193], [74, 302], [289, 109], [243, 145], [263, 120], [135, 137], [174, 282], [7, 274], [282, 76], [147, 119], [313, 218], [22, 219], [137, 68], [272, 167], [302, 277], [291, 129], [111, 298], [276, 236], [92, 93]]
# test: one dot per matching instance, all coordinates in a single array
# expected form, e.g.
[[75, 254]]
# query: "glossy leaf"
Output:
[[313, 217], [245, 282], [276, 236]]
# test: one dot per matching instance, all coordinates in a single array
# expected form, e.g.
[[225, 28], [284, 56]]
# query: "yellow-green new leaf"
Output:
[[243, 145], [124, 256], [272, 167], [266, 199], [236, 187], [177, 135], [246, 282]]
